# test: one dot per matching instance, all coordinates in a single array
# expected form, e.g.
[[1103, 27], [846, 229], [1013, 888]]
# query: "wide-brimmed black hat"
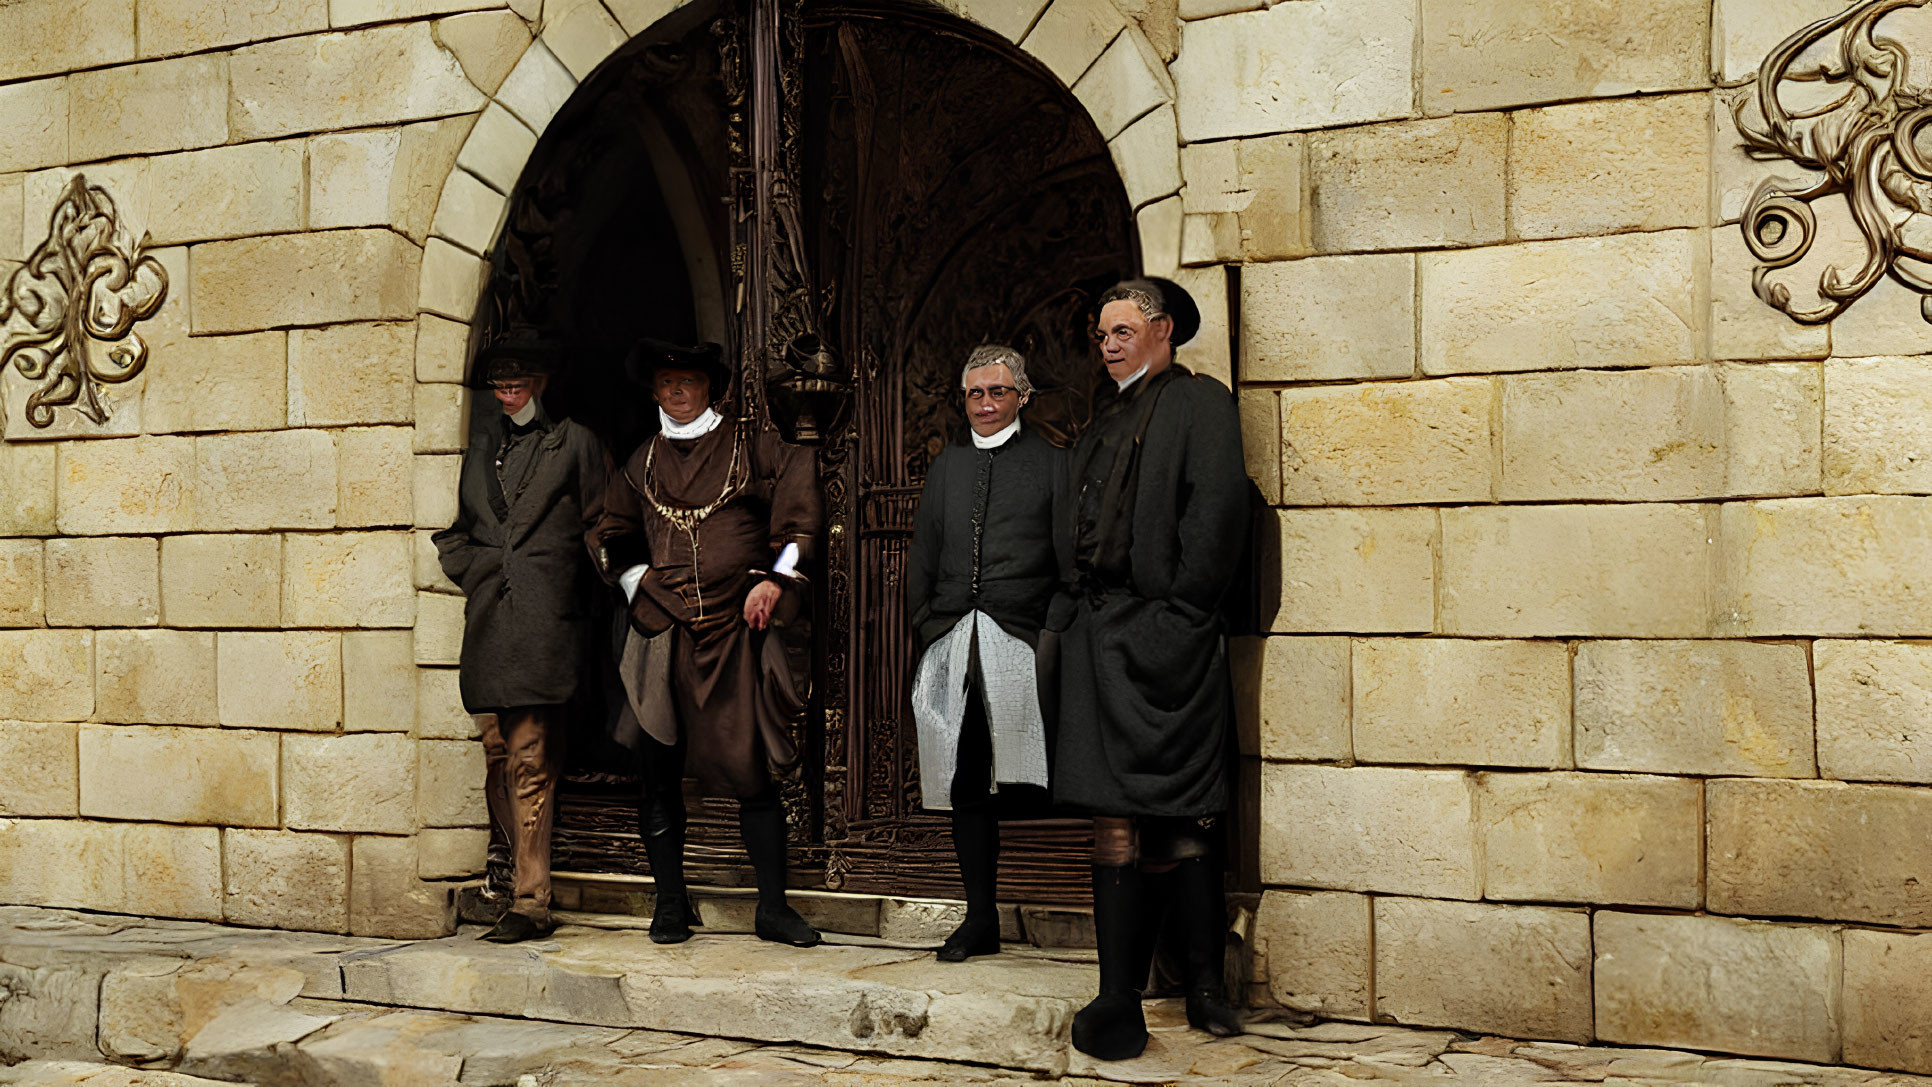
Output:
[[650, 356], [1169, 297], [522, 352]]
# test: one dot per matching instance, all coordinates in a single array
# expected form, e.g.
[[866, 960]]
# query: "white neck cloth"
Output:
[[997, 438], [706, 422]]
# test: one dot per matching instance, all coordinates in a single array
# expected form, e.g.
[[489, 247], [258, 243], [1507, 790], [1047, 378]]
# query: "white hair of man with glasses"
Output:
[[982, 577], [994, 354]]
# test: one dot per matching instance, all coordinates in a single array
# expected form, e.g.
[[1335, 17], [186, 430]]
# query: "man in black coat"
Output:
[[1159, 525], [981, 576], [531, 486]]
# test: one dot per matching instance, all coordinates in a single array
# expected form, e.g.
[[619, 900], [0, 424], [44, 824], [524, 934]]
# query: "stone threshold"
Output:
[[170, 1000], [851, 993], [901, 919], [157, 980]]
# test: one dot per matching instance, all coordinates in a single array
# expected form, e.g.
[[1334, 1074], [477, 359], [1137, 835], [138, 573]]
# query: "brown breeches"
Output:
[[1155, 843], [522, 747]]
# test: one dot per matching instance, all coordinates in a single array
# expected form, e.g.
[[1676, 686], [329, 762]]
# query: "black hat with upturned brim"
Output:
[[1173, 300], [521, 353], [650, 356]]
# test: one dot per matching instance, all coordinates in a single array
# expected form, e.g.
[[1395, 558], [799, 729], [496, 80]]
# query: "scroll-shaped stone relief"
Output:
[[1859, 121], [79, 297]]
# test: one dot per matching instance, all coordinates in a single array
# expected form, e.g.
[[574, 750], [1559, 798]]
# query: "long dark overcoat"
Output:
[[525, 574], [1147, 706]]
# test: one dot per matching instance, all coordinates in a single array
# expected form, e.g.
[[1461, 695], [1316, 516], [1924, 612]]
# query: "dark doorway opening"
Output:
[[931, 188]]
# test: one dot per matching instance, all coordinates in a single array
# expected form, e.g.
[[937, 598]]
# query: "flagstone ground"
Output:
[[109, 1001]]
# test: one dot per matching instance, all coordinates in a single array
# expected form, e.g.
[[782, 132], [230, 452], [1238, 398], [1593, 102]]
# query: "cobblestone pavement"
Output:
[[132, 1002]]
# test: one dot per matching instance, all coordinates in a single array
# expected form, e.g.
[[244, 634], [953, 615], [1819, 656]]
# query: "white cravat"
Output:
[[524, 414], [706, 422], [1131, 378], [997, 438]]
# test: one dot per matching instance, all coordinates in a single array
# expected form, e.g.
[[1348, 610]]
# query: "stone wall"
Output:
[[1599, 579], [220, 692], [1592, 706]]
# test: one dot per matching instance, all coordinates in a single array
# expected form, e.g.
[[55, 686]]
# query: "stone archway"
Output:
[[1100, 54], [1120, 102]]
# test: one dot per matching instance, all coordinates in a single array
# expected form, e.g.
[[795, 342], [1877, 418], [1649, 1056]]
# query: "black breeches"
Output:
[[660, 805], [973, 772], [973, 759]]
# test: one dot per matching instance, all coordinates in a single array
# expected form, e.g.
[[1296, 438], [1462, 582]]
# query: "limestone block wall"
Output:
[[1594, 706], [220, 684]]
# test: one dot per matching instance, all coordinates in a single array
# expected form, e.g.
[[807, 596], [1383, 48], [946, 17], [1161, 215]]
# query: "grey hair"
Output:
[[994, 354], [1147, 302]]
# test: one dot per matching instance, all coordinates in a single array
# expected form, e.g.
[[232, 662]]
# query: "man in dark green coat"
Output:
[[531, 486], [1146, 742]]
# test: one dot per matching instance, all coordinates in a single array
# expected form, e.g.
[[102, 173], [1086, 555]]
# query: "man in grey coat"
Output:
[[531, 486]]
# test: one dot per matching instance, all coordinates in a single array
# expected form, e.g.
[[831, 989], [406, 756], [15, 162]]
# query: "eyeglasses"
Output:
[[997, 392], [1122, 334]]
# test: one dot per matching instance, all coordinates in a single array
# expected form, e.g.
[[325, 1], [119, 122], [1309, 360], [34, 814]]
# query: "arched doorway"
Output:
[[894, 186]]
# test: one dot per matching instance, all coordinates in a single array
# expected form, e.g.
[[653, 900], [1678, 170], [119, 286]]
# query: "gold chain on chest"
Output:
[[687, 519]]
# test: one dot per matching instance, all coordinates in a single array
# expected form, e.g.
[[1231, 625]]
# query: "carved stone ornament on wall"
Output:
[[79, 297]]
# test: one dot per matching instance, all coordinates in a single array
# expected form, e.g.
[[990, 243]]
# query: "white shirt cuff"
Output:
[[787, 561], [628, 580]]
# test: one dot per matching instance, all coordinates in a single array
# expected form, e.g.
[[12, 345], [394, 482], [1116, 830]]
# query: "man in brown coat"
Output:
[[530, 487], [703, 531]]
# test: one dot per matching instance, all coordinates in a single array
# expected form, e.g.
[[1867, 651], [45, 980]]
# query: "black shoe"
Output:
[[672, 918], [761, 820], [782, 925], [1211, 1012], [1204, 918], [518, 927], [972, 937], [1111, 1028]]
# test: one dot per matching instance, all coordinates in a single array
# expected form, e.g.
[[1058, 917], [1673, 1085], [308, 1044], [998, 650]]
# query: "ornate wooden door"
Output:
[[883, 188], [950, 194]]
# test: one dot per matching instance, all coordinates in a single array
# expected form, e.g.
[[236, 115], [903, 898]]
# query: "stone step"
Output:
[[194, 1004], [80, 986], [891, 917], [1010, 1010]]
